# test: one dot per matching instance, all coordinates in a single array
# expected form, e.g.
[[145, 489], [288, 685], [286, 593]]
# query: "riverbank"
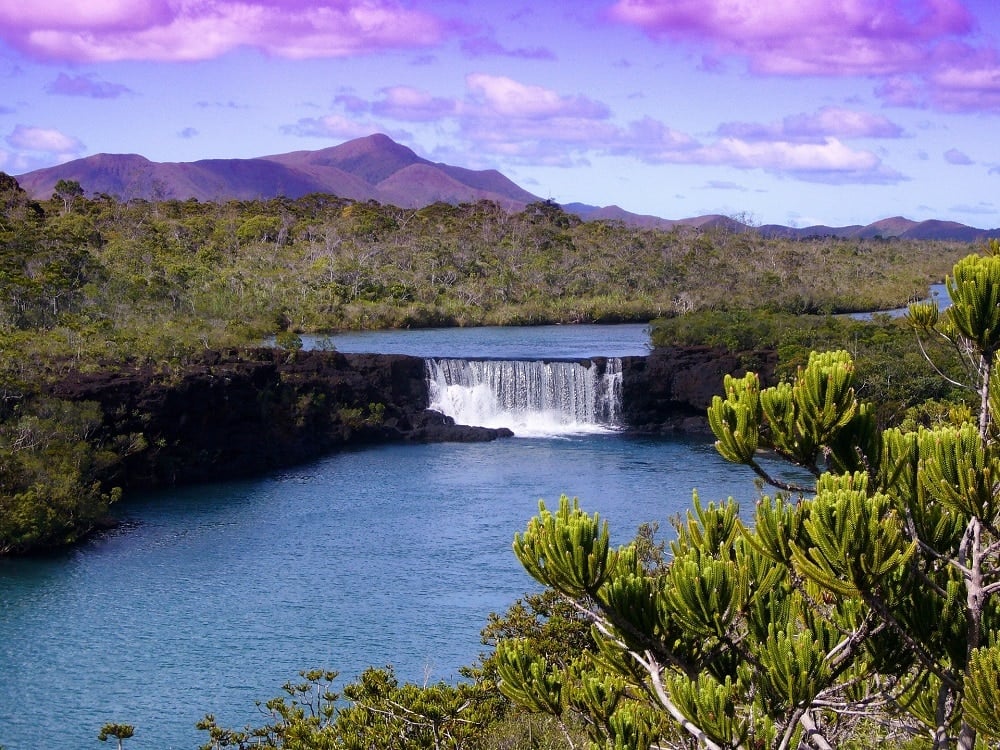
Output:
[[243, 412]]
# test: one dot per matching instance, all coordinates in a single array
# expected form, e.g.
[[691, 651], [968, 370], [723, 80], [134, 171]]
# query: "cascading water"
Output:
[[530, 398]]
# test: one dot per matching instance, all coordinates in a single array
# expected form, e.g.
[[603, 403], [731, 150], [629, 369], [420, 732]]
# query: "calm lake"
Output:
[[209, 598]]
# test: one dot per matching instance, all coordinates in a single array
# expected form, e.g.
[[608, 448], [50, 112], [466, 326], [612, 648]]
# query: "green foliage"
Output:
[[890, 372], [288, 340], [120, 732], [527, 678], [49, 488], [325, 263], [90, 281], [374, 711], [983, 695], [569, 546], [735, 419], [856, 540], [866, 600], [974, 289]]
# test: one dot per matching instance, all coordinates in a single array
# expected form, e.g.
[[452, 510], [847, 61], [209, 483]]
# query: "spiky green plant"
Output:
[[867, 599]]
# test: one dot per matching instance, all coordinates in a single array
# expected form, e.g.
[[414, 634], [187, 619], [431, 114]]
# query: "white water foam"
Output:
[[533, 399]]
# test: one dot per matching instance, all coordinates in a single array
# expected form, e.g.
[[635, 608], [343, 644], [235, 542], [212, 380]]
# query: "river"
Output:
[[208, 598]]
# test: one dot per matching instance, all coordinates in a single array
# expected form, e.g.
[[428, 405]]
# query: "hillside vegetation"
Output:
[[91, 283], [96, 277], [97, 283]]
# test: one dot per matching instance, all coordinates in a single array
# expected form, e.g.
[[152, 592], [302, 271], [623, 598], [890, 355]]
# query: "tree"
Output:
[[375, 711], [120, 732], [67, 191], [863, 600], [50, 491]]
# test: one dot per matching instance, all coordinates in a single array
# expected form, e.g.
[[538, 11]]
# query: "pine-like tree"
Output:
[[865, 599]]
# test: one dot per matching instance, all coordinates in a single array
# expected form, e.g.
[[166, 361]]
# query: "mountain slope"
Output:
[[377, 168], [371, 168]]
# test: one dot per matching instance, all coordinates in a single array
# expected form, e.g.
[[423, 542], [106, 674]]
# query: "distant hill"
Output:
[[897, 226], [377, 168], [370, 168], [616, 213]]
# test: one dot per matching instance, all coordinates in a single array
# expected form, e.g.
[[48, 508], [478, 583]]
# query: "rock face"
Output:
[[244, 412], [671, 389]]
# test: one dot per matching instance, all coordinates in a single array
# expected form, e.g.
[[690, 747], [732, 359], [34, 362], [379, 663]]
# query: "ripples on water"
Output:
[[212, 597], [499, 342], [209, 598]]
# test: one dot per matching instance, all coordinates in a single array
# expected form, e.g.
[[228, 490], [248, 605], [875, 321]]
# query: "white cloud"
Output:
[[510, 98], [47, 140]]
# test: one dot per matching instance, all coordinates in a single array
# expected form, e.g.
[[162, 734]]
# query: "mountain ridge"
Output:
[[378, 168]]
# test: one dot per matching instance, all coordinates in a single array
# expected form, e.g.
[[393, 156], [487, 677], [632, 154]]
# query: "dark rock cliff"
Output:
[[240, 413], [244, 412], [671, 389]]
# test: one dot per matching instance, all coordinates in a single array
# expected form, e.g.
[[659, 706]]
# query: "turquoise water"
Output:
[[508, 342], [209, 598], [212, 597]]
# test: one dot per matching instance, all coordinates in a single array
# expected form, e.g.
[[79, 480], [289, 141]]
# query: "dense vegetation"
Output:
[[891, 370], [93, 282], [103, 278], [863, 607]]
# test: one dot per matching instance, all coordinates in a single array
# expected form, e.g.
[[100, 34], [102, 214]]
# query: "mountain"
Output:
[[378, 168], [616, 213], [370, 168], [894, 227]]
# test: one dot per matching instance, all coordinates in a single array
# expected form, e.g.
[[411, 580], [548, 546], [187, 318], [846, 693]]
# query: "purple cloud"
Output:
[[521, 123], [352, 103], [965, 80], [483, 46], [188, 133], [808, 37], [406, 103], [711, 64], [220, 105], [341, 128], [836, 122], [841, 123], [829, 162], [173, 30], [506, 97], [44, 140], [983, 208], [919, 49], [86, 85], [954, 156], [901, 91], [725, 185]]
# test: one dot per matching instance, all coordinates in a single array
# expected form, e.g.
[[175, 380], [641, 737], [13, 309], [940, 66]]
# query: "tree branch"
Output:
[[813, 733], [781, 485], [655, 673]]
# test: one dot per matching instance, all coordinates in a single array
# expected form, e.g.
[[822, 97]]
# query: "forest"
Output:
[[626, 648], [92, 282]]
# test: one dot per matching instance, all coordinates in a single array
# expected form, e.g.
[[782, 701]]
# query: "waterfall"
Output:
[[530, 398]]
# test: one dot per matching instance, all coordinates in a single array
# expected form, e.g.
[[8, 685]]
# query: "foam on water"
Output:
[[531, 398]]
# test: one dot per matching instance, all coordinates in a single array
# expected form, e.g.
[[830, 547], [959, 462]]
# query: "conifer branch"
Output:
[[778, 483]]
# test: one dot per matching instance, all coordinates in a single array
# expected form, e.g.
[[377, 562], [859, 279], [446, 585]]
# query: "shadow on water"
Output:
[[208, 598]]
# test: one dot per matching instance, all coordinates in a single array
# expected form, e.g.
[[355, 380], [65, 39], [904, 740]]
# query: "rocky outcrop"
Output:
[[244, 412], [671, 389], [240, 413]]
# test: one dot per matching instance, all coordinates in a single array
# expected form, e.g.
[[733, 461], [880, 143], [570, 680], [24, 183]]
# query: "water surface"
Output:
[[506, 342], [212, 597]]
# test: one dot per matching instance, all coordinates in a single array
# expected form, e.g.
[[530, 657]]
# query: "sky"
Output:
[[795, 112]]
